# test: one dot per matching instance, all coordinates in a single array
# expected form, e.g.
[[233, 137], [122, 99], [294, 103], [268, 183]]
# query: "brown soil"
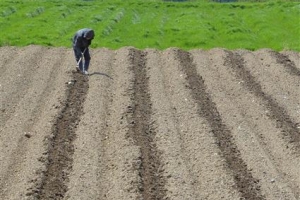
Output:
[[149, 124]]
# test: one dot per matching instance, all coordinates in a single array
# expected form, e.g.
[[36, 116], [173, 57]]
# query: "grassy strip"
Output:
[[152, 23]]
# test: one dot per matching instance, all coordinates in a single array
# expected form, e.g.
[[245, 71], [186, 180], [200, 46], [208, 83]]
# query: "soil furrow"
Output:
[[118, 163], [7, 56], [15, 83], [61, 149], [44, 97], [33, 103], [276, 112], [287, 63], [278, 83], [245, 183], [190, 157], [152, 183], [167, 135], [275, 80], [293, 56], [90, 154], [258, 140], [23, 134]]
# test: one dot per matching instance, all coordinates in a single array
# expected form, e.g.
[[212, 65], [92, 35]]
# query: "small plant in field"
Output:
[[8, 12], [116, 19], [35, 13], [97, 19], [136, 18], [119, 16], [107, 31]]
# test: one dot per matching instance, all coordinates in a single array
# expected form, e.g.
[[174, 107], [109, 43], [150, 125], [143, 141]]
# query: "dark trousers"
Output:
[[78, 53]]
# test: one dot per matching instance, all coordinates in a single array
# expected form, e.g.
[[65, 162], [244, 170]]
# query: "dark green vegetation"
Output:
[[153, 23]]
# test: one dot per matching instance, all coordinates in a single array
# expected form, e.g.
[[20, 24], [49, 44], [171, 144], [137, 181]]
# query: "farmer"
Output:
[[81, 42]]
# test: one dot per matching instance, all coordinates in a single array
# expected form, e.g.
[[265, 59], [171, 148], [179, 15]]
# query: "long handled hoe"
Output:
[[81, 59]]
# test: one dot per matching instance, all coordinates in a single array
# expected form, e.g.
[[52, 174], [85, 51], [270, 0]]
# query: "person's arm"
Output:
[[78, 41]]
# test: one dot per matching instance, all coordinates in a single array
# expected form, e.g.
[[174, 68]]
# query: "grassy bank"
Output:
[[152, 23]]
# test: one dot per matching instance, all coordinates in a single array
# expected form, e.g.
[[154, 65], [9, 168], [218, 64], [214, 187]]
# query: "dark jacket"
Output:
[[79, 39]]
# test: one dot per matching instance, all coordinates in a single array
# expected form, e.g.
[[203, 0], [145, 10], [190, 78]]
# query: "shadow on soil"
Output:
[[101, 74]]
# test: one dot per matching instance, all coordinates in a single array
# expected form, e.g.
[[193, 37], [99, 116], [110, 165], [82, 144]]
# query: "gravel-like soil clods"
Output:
[[149, 124]]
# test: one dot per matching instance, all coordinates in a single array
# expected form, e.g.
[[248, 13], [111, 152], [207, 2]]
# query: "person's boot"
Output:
[[85, 72]]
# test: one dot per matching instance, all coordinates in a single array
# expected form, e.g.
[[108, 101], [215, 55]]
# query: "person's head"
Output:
[[89, 35]]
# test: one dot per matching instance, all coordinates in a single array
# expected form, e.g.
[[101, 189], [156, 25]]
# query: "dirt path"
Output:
[[149, 124]]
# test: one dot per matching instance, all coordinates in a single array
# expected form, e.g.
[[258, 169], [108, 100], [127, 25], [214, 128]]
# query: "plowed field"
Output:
[[149, 124]]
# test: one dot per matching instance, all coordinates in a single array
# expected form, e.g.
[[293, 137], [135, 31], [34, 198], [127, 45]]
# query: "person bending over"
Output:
[[81, 42]]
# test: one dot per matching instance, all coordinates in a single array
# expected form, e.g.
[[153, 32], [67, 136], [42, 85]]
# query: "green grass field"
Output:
[[153, 23]]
